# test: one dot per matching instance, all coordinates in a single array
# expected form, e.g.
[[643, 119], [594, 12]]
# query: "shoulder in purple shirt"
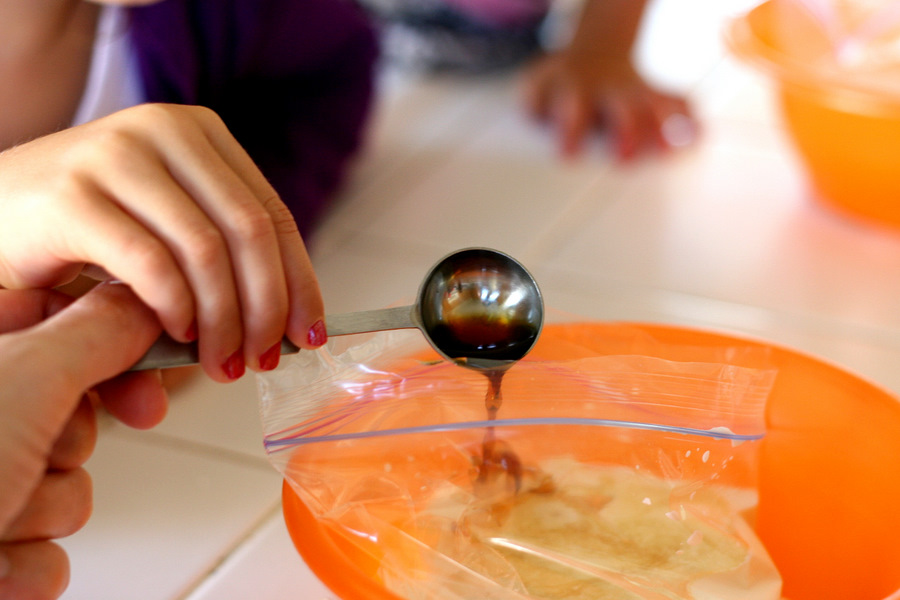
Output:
[[293, 80]]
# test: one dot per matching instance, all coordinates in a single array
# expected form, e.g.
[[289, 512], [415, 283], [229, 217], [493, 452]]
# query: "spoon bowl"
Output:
[[477, 307], [481, 308]]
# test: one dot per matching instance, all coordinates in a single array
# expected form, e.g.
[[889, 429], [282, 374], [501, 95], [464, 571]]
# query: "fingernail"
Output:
[[268, 360], [191, 334], [234, 366], [317, 334], [678, 130]]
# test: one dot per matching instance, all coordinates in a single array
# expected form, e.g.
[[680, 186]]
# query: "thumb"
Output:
[[98, 336], [45, 369]]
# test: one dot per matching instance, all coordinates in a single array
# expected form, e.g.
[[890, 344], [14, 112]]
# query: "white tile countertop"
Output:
[[721, 235]]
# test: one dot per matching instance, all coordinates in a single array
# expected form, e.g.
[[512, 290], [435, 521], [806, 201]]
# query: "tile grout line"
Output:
[[200, 579], [193, 447], [548, 240]]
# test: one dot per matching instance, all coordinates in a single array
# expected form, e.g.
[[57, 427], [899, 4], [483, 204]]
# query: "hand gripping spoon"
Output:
[[477, 307]]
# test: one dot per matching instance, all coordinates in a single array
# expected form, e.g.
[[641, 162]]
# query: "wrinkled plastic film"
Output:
[[395, 448]]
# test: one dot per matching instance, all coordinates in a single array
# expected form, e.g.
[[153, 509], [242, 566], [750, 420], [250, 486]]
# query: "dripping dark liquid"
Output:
[[497, 458], [494, 398]]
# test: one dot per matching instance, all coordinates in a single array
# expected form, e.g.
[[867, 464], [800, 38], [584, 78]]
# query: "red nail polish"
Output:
[[191, 334], [268, 360], [317, 335], [234, 366]]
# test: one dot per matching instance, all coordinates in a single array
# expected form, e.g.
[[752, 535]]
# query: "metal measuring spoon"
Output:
[[478, 307]]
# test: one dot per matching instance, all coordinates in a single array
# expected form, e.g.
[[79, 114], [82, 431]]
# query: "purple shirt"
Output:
[[292, 79]]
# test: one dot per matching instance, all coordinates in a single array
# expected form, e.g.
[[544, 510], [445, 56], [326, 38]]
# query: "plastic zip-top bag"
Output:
[[596, 468]]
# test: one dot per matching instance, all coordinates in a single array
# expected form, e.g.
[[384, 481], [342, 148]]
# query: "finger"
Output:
[[76, 442], [573, 116], [59, 506], [537, 88], [33, 570], [623, 124], [306, 319], [108, 235], [305, 311], [137, 399]]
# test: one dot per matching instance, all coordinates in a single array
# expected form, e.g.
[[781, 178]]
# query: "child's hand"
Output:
[[578, 93], [164, 199], [47, 425]]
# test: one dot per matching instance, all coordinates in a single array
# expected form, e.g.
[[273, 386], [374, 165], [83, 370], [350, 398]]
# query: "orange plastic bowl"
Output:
[[829, 476], [844, 123]]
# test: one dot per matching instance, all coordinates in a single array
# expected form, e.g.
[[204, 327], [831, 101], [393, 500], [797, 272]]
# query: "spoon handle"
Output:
[[401, 317], [166, 352]]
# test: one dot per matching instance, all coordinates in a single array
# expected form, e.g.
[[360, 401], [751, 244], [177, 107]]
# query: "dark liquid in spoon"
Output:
[[478, 337]]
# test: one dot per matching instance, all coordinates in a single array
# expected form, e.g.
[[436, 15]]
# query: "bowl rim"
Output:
[[743, 42]]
